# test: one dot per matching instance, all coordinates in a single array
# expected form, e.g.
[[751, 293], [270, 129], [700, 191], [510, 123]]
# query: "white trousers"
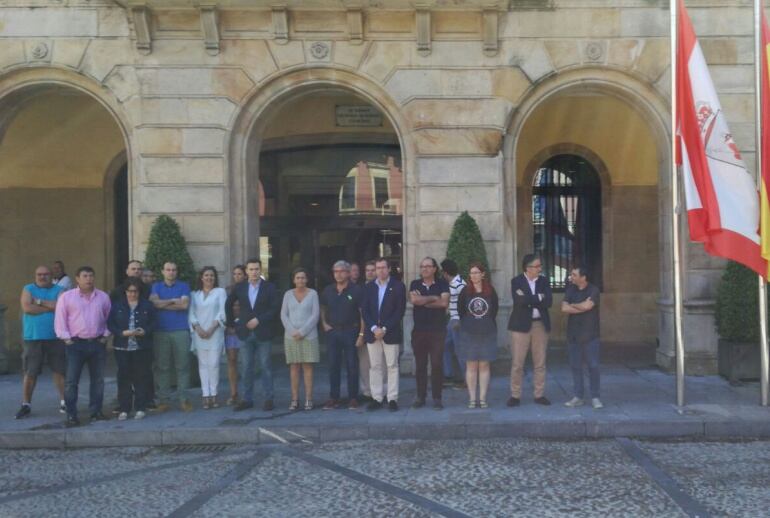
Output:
[[383, 358], [364, 387], [208, 368]]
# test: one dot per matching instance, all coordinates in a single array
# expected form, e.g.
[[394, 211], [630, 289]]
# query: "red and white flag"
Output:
[[720, 193]]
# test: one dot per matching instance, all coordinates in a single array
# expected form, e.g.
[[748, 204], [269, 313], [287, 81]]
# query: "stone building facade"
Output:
[[113, 112]]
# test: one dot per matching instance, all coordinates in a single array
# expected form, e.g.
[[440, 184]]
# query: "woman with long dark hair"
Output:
[[207, 323], [232, 342], [477, 307]]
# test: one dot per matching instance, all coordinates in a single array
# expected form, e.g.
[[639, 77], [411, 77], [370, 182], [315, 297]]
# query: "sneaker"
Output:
[[374, 405], [353, 404], [139, 415], [24, 411], [243, 405], [62, 407], [72, 421], [438, 405], [392, 406], [122, 416], [97, 416], [597, 403], [268, 406], [513, 401], [418, 403], [330, 404], [574, 402], [542, 400], [186, 406]]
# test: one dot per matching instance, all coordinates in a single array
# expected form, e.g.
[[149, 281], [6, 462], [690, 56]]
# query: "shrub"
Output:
[[737, 306], [168, 244], [466, 245]]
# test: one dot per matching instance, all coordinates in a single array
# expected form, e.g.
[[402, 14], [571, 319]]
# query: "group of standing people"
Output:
[[157, 324]]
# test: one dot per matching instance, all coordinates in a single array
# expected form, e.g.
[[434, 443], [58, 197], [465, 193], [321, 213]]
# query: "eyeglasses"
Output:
[[132, 291], [426, 266], [535, 266]]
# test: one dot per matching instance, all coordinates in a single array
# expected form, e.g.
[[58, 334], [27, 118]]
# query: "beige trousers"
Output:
[[537, 340], [383, 358], [364, 387]]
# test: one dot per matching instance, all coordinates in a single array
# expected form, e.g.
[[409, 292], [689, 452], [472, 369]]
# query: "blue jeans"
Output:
[[451, 343], [342, 344], [80, 353], [247, 356], [589, 352]]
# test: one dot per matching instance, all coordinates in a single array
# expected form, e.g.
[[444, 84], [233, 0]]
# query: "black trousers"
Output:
[[134, 379], [429, 344]]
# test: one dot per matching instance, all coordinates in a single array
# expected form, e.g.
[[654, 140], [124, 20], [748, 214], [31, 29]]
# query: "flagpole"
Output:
[[759, 57], [675, 216]]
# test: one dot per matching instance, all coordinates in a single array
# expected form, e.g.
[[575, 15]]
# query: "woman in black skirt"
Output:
[[477, 306]]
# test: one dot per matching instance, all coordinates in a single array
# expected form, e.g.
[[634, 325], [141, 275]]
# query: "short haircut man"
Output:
[[452, 342], [581, 304], [38, 306]]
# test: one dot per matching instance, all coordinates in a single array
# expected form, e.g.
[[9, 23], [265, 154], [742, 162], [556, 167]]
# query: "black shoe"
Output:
[[374, 405], [23, 412], [365, 399], [513, 401], [97, 416], [438, 405], [72, 421], [542, 400], [243, 405], [392, 406], [418, 403], [268, 406]]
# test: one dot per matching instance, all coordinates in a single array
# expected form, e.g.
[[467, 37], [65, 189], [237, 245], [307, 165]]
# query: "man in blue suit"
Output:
[[258, 300], [383, 307]]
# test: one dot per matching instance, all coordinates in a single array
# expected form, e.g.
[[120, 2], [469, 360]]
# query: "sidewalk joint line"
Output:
[[663, 480], [385, 487]]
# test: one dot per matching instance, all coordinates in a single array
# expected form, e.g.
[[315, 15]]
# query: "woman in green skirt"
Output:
[[299, 314]]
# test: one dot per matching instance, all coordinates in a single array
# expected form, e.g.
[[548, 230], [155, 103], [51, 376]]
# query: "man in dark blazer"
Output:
[[529, 324], [383, 307], [259, 308]]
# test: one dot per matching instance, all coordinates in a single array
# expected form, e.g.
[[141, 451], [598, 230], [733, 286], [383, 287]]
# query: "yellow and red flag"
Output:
[[765, 183]]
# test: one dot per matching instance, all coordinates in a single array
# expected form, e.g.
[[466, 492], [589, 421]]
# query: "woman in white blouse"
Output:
[[299, 314], [207, 322]]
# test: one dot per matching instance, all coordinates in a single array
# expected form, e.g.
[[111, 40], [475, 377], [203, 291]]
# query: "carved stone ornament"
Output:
[[40, 50], [319, 50], [594, 51]]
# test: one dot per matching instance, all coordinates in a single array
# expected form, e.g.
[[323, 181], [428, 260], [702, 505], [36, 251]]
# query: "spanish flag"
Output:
[[765, 184]]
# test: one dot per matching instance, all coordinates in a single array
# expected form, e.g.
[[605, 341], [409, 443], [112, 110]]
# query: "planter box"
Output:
[[739, 361]]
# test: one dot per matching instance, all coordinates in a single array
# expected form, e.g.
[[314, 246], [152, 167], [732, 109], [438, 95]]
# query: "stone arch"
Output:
[[23, 85], [252, 117], [640, 97]]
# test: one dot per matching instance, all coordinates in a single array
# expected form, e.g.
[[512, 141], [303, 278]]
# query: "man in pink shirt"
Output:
[[81, 323]]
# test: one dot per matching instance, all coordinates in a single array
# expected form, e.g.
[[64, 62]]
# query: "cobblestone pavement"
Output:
[[515, 477]]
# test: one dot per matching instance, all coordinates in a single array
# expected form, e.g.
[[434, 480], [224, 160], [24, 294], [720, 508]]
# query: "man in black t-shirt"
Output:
[[430, 296], [581, 303]]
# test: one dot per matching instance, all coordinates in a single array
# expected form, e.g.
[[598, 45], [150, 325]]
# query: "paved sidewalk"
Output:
[[639, 402]]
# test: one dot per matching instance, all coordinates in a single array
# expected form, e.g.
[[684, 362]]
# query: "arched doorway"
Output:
[[617, 132], [319, 174], [63, 186]]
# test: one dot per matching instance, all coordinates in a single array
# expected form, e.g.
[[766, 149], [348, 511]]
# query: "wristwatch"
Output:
[[38, 302]]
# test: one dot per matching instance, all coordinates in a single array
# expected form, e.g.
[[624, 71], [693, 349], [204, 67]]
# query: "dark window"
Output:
[[380, 192], [566, 218], [348, 198]]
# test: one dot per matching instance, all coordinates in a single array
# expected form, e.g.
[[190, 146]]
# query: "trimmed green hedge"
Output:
[[168, 244], [466, 245], [737, 306]]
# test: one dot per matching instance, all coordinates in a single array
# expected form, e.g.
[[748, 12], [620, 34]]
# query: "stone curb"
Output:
[[85, 438]]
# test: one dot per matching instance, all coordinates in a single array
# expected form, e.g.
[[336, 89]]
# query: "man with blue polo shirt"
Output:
[[171, 340], [38, 305]]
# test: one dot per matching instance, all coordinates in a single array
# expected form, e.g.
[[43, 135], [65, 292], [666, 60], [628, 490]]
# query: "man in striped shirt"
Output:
[[456, 285]]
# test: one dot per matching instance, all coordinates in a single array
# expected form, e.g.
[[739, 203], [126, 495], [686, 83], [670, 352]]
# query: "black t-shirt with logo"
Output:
[[583, 327], [342, 308], [429, 319]]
